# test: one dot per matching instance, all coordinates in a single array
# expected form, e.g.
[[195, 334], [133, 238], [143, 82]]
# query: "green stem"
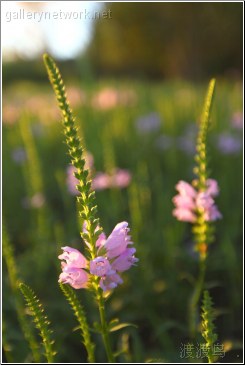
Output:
[[104, 328], [195, 298]]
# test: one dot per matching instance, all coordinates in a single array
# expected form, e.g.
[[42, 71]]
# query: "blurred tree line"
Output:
[[190, 40]]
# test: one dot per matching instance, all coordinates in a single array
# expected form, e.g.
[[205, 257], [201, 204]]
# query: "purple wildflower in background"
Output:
[[19, 155], [229, 144], [148, 123], [189, 202], [186, 142]]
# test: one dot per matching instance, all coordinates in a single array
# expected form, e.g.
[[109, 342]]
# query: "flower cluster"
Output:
[[189, 202], [114, 257]]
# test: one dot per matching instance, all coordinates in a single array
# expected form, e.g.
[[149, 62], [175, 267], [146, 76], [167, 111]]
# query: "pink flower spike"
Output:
[[73, 257], [77, 278], [118, 240], [100, 266], [125, 260], [186, 189], [212, 187], [110, 282]]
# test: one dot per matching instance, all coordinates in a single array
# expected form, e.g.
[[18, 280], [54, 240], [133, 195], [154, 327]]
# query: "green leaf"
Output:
[[119, 326]]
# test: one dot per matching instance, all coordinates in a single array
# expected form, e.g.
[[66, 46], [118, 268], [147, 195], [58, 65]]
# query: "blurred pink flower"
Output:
[[237, 120], [212, 187], [120, 178], [36, 201], [185, 215], [101, 181], [76, 96], [186, 189], [109, 98], [11, 114]]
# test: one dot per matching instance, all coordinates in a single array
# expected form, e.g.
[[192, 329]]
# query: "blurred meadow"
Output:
[[138, 120]]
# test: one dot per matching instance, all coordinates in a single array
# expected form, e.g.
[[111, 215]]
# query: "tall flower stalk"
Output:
[[195, 204], [105, 257]]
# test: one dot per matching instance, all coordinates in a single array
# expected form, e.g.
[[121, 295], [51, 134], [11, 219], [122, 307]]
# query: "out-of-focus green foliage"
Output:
[[169, 39]]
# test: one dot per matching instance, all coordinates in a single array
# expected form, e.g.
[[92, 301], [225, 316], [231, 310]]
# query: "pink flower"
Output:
[[204, 201], [118, 240], [184, 215], [237, 120], [212, 214], [212, 187], [110, 281], [113, 256], [125, 260], [101, 240], [106, 98], [184, 201], [74, 276], [72, 268], [121, 178], [73, 257], [100, 266], [186, 189], [101, 181]]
